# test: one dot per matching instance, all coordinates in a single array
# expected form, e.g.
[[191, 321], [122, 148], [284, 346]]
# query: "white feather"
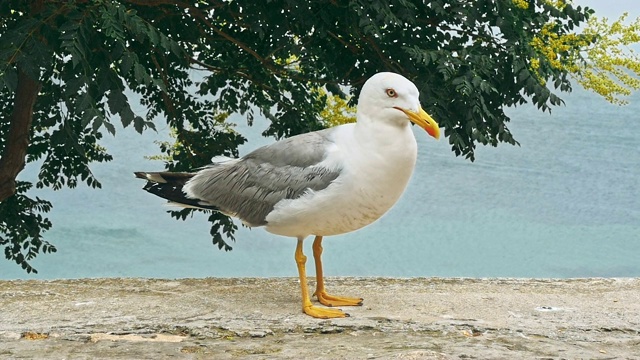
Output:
[[221, 159]]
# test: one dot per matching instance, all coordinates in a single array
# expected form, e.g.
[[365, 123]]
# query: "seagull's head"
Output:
[[392, 97]]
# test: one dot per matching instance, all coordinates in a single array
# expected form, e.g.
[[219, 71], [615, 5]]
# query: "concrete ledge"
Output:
[[422, 318]]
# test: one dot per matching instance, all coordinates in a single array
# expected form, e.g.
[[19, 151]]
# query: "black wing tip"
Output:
[[168, 186]]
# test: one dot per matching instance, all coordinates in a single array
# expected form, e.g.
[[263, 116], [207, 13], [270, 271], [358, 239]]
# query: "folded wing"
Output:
[[250, 187]]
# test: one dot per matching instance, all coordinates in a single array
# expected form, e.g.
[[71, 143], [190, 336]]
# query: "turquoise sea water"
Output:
[[564, 204]]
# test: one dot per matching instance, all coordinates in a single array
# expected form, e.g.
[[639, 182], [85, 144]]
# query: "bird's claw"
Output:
[[323, 313], [329, 300]]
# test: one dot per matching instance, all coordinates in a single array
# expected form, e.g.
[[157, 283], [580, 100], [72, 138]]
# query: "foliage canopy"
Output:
[[80, 60]]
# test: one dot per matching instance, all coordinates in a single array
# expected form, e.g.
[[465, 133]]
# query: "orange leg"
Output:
[[307, 308], [321, 293]]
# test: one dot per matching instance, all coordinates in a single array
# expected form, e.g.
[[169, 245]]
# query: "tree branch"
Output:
[[15, 150], [171, 110]]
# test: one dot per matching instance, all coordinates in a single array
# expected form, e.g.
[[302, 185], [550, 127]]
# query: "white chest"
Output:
[[373, 177]]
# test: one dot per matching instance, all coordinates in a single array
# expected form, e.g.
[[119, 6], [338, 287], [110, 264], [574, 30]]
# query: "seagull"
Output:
[[321, 183]]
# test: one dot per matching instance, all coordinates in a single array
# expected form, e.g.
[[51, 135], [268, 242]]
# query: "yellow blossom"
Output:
[[337, 110], [522, 4], [600, 58], [612, 68]]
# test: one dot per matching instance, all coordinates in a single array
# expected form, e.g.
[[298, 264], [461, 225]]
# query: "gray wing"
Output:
[[250, 187]]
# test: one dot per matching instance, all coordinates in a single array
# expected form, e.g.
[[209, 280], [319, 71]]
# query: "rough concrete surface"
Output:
[[426, 318]]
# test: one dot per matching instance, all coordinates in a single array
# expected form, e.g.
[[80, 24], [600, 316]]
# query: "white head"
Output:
[[391, 97]]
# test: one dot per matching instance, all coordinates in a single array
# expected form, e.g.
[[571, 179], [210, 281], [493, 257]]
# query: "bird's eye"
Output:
[[392, 93]]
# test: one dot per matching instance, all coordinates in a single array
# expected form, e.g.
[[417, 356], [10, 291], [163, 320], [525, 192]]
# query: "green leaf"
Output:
[[110, 128], [141, 75], [128, 59], [117, 101], [138, 124], [126, 115], [9, 79]]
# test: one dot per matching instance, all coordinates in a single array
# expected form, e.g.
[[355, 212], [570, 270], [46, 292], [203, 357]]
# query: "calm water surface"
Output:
[[564, 204]]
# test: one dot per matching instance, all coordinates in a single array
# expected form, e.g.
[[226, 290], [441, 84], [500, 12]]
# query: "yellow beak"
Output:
[[422, 119]]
